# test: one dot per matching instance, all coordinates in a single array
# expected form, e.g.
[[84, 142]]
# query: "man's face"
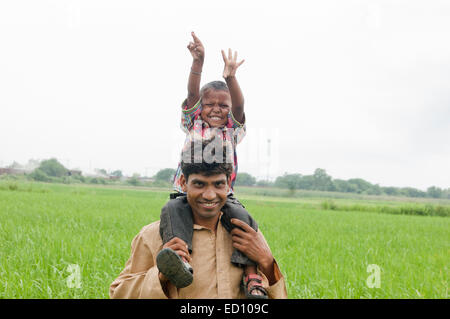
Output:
[[206, 195], [215, 107]]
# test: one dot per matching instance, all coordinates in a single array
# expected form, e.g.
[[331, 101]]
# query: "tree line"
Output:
[[321, 181], [53, 171]]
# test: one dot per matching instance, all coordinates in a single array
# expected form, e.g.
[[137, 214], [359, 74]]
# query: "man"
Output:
[[206, 184]]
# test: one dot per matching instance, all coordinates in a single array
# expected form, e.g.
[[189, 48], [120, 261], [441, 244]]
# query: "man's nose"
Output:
[[209, 194]]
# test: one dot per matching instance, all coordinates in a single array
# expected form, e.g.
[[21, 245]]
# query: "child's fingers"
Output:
[[229, 54], [224, 57], [239, 64], [196, 40], [235, 56], [193, 47]]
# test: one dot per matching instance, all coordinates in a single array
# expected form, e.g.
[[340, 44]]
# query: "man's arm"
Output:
[[140, 277], [253, 244], [198, 55], [229, 74]]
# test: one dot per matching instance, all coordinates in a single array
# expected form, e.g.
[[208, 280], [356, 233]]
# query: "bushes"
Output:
[[328, 205], [96, 180], [40, 176], [52, 167], [245, 179], [134, 180], [418, 210]]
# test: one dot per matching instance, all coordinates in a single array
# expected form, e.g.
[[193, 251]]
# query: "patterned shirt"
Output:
[[194, 127]]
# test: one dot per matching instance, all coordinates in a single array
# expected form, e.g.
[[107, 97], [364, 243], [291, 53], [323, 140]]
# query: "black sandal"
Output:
[[253, 282]]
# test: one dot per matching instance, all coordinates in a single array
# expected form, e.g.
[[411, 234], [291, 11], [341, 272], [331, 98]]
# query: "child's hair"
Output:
[[214, 85], [192, 164]]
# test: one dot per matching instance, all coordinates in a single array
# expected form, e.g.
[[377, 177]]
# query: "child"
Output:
[[217, 107]]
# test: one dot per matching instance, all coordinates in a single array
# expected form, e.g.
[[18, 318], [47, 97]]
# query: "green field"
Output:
[[323, 242]]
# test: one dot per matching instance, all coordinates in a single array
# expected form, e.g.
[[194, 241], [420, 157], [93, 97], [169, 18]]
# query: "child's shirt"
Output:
[[195, 127]]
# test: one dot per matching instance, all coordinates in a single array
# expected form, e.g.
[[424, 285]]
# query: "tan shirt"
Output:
[[214, 275]]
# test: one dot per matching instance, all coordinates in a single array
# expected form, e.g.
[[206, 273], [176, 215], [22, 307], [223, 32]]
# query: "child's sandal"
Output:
[[253, 282]]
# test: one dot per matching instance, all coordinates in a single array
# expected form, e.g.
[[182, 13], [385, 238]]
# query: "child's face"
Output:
[[215, 107]]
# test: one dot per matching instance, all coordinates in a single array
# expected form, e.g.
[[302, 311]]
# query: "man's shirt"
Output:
[[214, 274], [195, 128]]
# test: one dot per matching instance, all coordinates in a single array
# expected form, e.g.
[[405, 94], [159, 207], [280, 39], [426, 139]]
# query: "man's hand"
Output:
[[181, 248], [231, 64], [196, 48], [253, 245]]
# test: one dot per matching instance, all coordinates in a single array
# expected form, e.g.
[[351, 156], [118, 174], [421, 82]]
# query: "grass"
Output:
[[322, 245]]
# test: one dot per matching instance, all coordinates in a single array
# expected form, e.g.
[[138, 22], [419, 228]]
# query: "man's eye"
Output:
[[198, 184], [224, 106], [220, 184]]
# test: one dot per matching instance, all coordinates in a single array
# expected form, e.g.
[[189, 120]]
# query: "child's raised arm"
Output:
[[198, 55], [229, 74]]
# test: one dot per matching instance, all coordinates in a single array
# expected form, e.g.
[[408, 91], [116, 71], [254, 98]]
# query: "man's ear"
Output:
[[183, 183]]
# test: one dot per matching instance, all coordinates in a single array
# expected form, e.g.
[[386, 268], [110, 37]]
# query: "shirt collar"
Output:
[[199, 227]]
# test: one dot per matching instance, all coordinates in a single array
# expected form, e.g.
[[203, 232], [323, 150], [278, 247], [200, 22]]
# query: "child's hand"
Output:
[[196, 48], [231, 64]]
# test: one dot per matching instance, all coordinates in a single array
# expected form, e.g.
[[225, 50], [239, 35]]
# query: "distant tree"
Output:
[[344, 186], [102, 171], [374, 190], [264, 183], [245, 179], [322, 181], [290, 181], [134, 180], [52, 167], [305, 182], [39, 175], [361, 185], [117, 173], [434, 192], [412, 192], [392, 191], [165, 175], [446, 193]]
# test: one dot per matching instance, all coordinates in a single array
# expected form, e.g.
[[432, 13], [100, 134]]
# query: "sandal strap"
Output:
[[252, 277], [254, 282], [257, 287]]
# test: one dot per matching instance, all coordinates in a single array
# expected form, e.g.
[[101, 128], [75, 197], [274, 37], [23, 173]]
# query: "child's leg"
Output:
[[176, 221], [234, 209], [252, 281], [256, 293], [248, 270]]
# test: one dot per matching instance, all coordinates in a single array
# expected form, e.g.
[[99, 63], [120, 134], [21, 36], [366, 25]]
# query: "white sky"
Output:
[[359, 88]]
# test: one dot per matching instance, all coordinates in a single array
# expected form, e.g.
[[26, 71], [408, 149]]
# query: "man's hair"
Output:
[[214, 85], [195, 161]]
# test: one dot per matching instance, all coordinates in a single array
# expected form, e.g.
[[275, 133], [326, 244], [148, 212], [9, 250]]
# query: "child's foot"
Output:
[[178, 271], [253, 288]]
